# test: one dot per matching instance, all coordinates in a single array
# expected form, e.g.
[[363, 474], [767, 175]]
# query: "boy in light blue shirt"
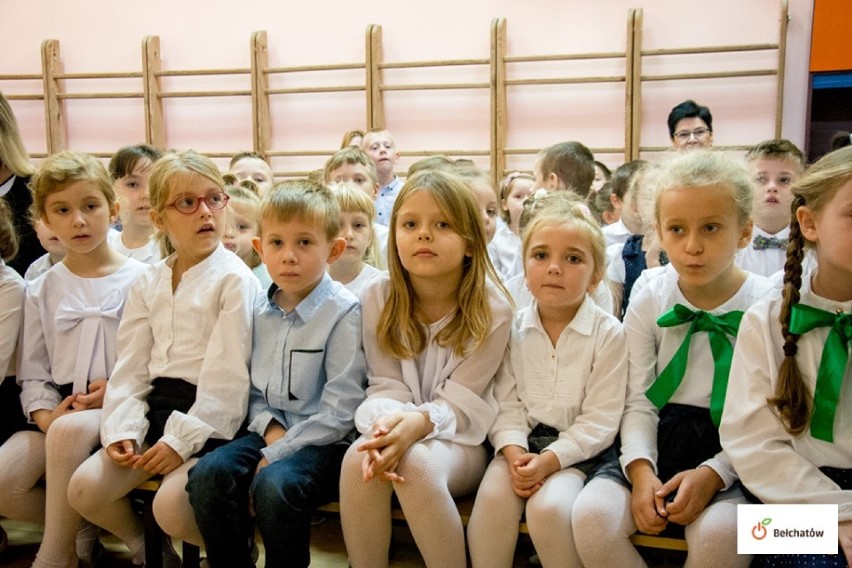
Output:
[[307, 378]]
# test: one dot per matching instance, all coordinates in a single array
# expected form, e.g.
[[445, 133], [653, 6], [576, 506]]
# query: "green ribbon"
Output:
[[835, 355], [718, 328]]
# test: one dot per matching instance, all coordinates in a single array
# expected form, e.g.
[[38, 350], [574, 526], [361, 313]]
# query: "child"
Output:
[[434, 334], [381, 147], [561, 393], [514, 190], [55, 251], [242, 226], [130, 169], [251, 165], [352, 138], [67, 351], [353, 165], [680, 333], [301, 412], [775, 165], [356, 266], [487, 201], [565, 166], [180, 386], [600, 204], [798, 448], [602, 176], [617, 232]]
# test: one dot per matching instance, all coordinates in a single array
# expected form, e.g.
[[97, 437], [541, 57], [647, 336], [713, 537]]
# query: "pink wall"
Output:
[[102, 35]]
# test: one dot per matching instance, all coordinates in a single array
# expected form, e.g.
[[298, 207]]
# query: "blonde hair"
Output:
[[351, 199], [705, 168], [791, 399], [62, 169], [350, 155], [573, 212], [168, 173], [244, 196], [8, 234], [12, 152], [399, 332], [306, 200]]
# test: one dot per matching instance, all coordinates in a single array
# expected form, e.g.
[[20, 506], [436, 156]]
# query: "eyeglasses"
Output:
[[188, 204], [685, 135]]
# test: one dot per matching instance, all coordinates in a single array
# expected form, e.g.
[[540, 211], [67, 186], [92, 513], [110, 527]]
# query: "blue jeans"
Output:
[[285, 495]]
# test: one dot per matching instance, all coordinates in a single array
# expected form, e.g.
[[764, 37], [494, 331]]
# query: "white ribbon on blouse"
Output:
[[72, 312]]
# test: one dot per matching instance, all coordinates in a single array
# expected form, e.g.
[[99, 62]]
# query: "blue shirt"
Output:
[[307, 368], [384, 201]]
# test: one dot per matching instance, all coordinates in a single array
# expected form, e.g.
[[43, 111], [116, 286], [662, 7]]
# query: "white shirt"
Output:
[[764, 262], [615, 233], [651, 348], [775, 465], [577, 387], [148, 253], [39, 266], [200, 333], [262, 274], [522, 296], [69, 331], [505, 252], [457, 392], [380, 233], [368, 274], [12, 288], [615, 270]]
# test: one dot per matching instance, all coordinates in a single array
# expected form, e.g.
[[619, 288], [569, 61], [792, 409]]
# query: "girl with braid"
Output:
[[681, 329], [789, 435]]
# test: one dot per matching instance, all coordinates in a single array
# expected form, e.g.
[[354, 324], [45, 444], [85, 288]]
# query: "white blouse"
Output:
[[776, 466], [457, 392], [200, 333], [148, 253], [12, 289], [577, 387], [69, 330], [505, 252], [651, 348], [764, 262], [367, 275]]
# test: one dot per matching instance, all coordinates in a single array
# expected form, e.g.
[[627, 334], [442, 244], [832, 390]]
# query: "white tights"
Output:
[[435, 471], [493, 529], [22, 463]]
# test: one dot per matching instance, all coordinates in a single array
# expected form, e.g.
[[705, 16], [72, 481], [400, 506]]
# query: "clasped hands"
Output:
[[388, 440]]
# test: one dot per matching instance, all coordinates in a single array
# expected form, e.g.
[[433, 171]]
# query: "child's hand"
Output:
[[160, 459], [123, 453], [44, 418], [695, 489], [391, 437], [844, 535], [93, 399], [649, 511], [530, 471]]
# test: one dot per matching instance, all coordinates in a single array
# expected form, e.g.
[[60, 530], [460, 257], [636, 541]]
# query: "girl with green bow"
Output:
[[789, 435], [681, 328]]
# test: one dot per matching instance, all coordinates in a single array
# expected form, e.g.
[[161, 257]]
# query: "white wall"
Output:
[[104, 35]]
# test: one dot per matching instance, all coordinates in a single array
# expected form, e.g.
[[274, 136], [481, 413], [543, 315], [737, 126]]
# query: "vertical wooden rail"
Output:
[[635, 73], [629, 54], [498, 100], [155, 133], [375, 102], [261, 127], [782, 62], [53, 112]]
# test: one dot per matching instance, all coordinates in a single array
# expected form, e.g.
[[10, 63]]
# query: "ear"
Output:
[[745, 237], [335, 249], [375, 191], [157, 220], [617, 203], [807, 223], [113, 212], [553, 182], [255, 244], [593, 284]]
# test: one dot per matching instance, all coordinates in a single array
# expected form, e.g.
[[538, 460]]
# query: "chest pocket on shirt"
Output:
[[305, 369]]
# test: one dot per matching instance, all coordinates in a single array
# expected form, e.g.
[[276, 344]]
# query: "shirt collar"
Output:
[[312, 302], [582, 323], [782, 234], [6, 186]]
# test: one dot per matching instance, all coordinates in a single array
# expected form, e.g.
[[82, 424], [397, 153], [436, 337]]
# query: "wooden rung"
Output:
[[299, 153], [307, 68], [182, 94], [295, 90], [662, 542], [712, 75], [99, 96], [531, 151], [567, 80], [199, 72], [715, 147], [714, 49], [422, 153], [22, 77], [434, 86], [149, 485], [24, 97], [115, 75], [438, 63], [563, 57]]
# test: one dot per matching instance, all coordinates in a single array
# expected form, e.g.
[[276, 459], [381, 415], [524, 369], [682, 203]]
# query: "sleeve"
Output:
[[594, 430], [221, 401], [38, 391], [343, 392], [760, 449], [511, 426], [12, 297], [125, 405], [639, 423]]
